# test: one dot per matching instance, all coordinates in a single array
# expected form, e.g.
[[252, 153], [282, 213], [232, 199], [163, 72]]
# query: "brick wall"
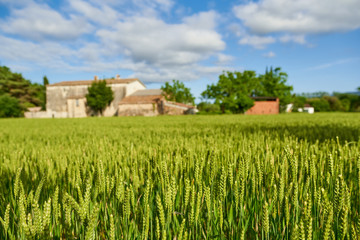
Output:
[[264, 107]]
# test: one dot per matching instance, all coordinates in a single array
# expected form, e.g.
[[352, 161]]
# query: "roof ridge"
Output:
[[89, 82]]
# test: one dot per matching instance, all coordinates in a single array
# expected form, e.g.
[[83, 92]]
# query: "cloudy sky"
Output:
[[315, 41]]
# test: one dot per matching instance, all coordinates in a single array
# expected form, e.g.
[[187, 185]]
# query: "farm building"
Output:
[[264, 105], [306, 109], [68, 99], [151, 102]]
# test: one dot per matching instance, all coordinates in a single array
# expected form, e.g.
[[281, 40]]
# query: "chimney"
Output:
[[96, 78], [117, 76]]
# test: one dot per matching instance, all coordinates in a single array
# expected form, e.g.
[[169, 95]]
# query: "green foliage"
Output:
[[177, 92], [208, 108], [350, 102], [298, 102], [10, 107], [225, 177], [45, 81], [233, 90], [319, 104], [99, 96], [273, 84], [335, 103], [28, 94], [338, 103]]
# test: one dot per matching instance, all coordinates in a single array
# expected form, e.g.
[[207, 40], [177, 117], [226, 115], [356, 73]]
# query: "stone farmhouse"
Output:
[[131, 98]]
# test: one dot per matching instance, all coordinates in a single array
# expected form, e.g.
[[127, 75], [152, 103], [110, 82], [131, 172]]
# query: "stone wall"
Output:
[[141, 109], [172, 109], [76, 107], [39, 114]]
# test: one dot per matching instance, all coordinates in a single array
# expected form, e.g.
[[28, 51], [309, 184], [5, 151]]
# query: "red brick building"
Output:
[[264, 105]]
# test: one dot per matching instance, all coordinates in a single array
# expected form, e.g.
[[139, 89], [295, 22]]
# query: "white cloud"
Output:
[[183, 73], [331, 64], [155, 42], [237, 29], [45, 54], [223, 58], [300, 39], [39, 22], [202, 20], [143, 43], [299, 16], [257, 42], [269, 54], [163, 5], [99, 13]]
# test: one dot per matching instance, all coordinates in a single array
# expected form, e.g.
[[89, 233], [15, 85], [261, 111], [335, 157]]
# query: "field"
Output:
[[188, 177]]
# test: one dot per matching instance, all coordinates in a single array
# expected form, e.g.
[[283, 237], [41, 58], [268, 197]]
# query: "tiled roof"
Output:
[[148, 92], [89, 82], [141, 99], [181, 104], [150, 96], [265, 98]]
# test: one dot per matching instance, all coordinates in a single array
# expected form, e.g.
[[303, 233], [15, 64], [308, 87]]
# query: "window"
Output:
[[77, 102]]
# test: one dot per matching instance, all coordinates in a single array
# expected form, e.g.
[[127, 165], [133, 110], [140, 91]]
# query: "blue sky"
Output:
[[315, 41]]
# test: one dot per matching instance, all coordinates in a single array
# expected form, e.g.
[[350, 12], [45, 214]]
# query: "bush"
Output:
[[10, 107], [208, 108], [319, 104]]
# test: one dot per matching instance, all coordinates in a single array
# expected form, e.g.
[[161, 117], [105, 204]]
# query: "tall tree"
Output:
[[273, 84], [15, 85], [233, 91], [45, 82], [177, 92], [99, 96]]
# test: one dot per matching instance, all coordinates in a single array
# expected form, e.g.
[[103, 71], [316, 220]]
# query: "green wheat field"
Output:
[[294, 176]]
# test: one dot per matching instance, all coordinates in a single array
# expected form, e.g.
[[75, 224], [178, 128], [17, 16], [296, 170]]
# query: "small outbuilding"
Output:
[[151, 102], [264, 105], [308, 109]]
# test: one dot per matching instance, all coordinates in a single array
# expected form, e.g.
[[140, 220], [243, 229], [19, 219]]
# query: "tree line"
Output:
[[234, 93], [17, 94]]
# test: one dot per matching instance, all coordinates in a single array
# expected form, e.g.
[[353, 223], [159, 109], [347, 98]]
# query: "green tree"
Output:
[[299, 102], [208, 108], [177, 92], [335, 103], [10, 106], [28, 94], [350, 102], [45, 82], [233, 91], [273, 84], [319, 104], [99, 96]]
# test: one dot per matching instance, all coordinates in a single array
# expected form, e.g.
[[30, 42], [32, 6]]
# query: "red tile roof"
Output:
[[141, 99], [89, 82], [181, 104]]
